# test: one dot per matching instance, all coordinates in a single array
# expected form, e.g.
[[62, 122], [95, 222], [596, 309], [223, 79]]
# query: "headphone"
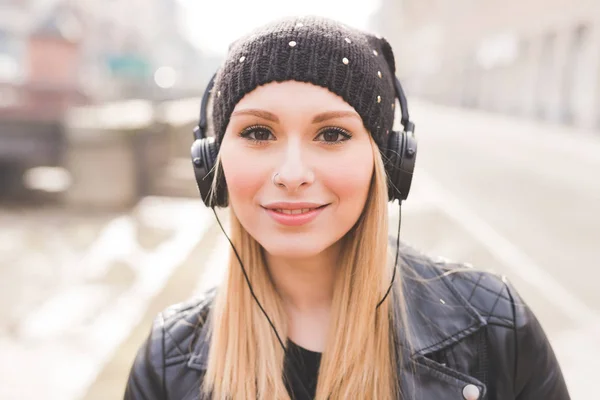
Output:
[[399, 155]]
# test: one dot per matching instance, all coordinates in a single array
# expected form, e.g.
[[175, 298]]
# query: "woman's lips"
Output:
[[295, 217]]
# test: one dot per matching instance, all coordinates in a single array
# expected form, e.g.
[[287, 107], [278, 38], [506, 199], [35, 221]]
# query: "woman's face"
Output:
[[316, 145]]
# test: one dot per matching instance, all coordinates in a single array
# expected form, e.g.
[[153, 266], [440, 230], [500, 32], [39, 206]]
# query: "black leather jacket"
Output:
[[473, 338]]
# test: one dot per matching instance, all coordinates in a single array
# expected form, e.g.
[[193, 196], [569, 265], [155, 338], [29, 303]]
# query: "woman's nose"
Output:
[[294, 170]]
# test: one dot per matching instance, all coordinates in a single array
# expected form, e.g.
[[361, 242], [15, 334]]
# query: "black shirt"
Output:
[[301, 369]]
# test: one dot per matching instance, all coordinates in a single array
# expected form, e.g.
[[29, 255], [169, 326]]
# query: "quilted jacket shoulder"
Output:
[[486, 291], [182, 324]]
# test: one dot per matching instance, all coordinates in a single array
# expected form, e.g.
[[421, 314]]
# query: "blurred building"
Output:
[[38, 61], [104, 49], [58, 53], [127, 41], [538, 58]]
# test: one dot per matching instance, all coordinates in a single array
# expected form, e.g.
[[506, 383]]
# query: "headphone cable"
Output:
[[396, 258]]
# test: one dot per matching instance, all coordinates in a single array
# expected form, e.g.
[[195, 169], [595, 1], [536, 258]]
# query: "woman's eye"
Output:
[[334, 135], [257, 133]]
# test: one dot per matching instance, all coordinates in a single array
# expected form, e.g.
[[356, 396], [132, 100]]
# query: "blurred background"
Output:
[[101, 226]]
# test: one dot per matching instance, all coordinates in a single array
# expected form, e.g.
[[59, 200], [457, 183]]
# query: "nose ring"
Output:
[[273, 180]]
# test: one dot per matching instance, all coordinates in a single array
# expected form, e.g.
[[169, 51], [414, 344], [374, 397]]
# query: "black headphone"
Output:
[[399, 155]]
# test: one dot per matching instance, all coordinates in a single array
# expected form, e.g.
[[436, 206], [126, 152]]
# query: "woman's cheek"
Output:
[[244, 180], [350, 180]]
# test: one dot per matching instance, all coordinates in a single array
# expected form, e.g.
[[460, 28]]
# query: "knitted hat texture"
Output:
[[357, 66]]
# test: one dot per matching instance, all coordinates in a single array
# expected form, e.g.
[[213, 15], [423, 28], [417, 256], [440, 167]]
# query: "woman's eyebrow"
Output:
[[318, 118], [334, 114], [257, 113]]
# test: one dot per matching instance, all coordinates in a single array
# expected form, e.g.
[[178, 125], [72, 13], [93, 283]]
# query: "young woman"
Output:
[[314, 303]]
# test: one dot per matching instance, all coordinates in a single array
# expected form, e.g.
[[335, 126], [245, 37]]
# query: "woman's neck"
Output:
[[305, 284], [306, 288]]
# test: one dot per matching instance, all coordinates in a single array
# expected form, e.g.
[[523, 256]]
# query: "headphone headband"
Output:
[[200, 129]]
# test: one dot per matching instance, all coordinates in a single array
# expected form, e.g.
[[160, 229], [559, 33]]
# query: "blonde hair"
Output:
[[245, 357]]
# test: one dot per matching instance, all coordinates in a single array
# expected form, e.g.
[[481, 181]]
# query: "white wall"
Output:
[[557, 80]]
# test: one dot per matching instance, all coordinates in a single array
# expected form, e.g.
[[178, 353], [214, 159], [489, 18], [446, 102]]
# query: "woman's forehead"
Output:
[[293, 95]]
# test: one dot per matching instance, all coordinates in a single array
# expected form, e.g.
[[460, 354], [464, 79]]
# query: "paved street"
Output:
[[523, 199], [78, 294]]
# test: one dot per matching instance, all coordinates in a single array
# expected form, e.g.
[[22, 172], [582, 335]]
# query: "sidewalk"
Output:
[[64, 338]]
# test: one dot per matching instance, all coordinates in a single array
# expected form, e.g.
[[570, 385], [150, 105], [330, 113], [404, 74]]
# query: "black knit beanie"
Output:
[[357, 66]]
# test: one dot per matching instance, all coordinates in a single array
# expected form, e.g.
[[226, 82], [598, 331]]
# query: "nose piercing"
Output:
[[273, 180]]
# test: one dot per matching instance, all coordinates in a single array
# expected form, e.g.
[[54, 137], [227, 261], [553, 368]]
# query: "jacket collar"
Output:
[[437, 316]]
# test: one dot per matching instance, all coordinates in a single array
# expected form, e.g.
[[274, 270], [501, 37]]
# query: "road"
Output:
[[78, 293]]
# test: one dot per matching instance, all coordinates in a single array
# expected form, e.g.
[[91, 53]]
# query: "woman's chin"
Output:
[[293, 248]]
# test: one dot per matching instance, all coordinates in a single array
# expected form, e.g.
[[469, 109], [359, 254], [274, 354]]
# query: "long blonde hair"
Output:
[[245, 357]]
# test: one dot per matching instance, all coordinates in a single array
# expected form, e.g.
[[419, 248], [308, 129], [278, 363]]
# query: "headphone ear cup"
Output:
[[391, 156], [401, 153], [221, 187], [204, 157]]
